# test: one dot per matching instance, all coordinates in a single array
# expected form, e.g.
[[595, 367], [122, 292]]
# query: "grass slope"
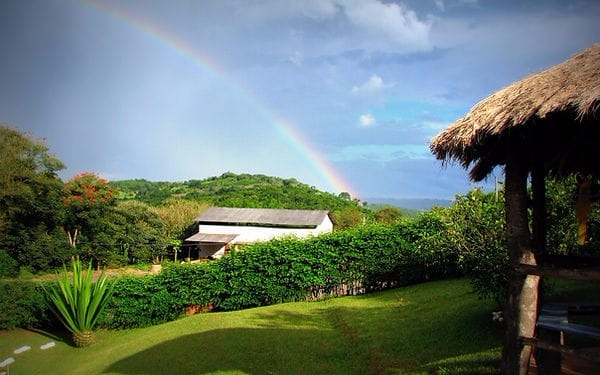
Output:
[[438, 327]]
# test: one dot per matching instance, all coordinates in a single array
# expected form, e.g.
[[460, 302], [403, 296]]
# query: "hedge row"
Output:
[[350, 262]]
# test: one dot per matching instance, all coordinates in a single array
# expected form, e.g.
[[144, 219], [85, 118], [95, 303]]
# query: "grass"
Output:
[[433, 328]]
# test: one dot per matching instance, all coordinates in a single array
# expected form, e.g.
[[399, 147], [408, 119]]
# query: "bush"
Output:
[[140, 302], [8, 266], [78, 301], [477, 230], [23, 304]]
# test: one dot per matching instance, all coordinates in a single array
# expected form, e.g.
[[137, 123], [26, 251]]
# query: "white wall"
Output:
[[249, 234]]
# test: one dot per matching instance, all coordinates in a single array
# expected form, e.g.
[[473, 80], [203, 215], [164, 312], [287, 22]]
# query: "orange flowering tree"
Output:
[[110, 234], [87, 200]]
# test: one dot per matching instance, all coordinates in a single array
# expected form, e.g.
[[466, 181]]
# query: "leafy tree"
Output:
[[388, 215], [89, 202], [348, 217], [177, 215], [30, 205], [139, 232]]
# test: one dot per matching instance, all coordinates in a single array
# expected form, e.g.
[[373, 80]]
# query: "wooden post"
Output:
[[548, 362], [520, 311], [538, 216]]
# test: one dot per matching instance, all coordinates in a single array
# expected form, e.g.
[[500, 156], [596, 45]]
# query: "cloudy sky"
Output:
[[344, 95]]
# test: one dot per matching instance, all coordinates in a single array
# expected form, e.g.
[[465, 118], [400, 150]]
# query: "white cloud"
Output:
[[375, 83], [393, 23], [358, 24], [367, 120]]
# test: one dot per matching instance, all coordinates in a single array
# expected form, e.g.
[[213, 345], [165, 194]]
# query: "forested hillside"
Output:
[[236, 190]]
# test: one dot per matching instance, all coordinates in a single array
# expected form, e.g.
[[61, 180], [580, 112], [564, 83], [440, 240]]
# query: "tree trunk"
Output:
[[72, 237], [520, 311]]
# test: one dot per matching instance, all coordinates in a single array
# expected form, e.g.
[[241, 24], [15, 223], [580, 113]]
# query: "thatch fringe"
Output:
[[542, 99]]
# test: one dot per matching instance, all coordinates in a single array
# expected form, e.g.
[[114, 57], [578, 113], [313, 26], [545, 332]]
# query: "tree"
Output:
[[388, 215], [348, 217], [30, 205], [177, 216], [139, 232], [88, 201]]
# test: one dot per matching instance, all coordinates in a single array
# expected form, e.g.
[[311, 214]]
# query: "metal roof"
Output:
[[212, 238], [262, 216]]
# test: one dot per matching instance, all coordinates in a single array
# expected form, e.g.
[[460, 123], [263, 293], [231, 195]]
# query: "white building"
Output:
[[219, 228]]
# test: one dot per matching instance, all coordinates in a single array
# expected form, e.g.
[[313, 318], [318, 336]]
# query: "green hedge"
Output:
[[347, 262], [139, 302], [23, 304]]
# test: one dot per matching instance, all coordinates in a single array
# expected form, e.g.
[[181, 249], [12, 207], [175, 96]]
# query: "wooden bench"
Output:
[[553, 323], [555, 317]]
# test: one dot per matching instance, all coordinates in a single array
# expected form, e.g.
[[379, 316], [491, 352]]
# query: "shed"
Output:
[[221, 227], [547, 124]]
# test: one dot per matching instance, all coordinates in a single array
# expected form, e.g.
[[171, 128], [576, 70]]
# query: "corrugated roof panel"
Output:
[[262, 216], [212, 238]]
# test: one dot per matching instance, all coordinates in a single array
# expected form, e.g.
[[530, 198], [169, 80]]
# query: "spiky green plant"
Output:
[[79, 302]]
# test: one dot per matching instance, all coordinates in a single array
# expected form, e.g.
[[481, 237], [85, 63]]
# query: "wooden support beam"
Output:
[[520, 310], [560, 273]]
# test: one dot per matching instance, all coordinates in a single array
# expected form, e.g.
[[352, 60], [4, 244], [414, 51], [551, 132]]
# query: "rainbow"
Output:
[[286, 130]]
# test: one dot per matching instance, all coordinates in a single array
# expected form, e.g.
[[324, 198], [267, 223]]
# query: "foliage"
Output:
[[108, 233], [87, 200], [140, 302], [245, 190], [177, 216], [30, 207], [388, 215], [8, 266], [365, 259], [348, 217], [78, 302], [139, 232], [23, 304], [477, 231], [561, 220]]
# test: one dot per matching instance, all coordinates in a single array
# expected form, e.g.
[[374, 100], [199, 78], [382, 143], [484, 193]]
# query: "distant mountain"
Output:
[[418, 204]]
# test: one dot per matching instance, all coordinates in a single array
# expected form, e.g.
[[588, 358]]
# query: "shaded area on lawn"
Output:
[[247, 350], [391, 332], [438, 328]]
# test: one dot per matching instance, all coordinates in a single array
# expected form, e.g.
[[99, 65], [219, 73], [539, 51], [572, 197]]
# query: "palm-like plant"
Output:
[[79, 303]]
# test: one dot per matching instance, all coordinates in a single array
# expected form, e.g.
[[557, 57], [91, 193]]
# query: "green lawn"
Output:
[[438, 327]]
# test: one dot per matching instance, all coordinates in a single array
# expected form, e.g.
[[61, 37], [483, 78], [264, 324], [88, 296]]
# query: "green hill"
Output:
[[235, 190]]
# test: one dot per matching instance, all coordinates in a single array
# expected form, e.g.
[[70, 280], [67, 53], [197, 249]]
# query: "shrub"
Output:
[[8, 266], [477, 230], [79, 302], [23, 304], [140, 302]]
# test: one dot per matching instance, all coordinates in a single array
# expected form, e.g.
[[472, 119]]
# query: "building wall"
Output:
[[249, 234]]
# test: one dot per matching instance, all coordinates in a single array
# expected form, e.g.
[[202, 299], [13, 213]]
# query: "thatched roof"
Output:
[[262, 217], [556, 111]]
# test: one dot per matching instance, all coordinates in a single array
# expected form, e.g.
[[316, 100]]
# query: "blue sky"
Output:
[[341, 95]]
